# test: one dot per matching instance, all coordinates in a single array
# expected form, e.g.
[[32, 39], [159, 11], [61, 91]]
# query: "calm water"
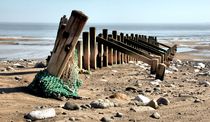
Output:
[[33, 40]]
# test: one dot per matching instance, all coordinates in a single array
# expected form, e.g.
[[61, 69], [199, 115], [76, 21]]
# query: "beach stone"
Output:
[[200, 65], [100, 103], [153, 104], [120, 96], [196, 70], [18, 65], [155, 115], [71, 106], [168, 72], [197, 100], [130, 88], [39, 65], [41, 114], [105, 119], [10, 68], [115, 71], [205, 83], [18, 78], [163, 101], [141, 98], [119, 115], [72, 119], [173, 68]]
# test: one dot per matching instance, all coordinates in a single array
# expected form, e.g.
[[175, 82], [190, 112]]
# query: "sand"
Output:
[[182, 88]]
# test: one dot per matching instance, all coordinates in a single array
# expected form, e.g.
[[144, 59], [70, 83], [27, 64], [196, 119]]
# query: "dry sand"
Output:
[[182, 88]]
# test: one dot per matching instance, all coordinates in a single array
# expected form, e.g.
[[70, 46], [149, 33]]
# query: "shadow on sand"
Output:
[[17, 73], [14, 90]]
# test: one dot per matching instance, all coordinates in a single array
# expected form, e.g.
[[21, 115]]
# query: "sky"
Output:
[[107, 11]]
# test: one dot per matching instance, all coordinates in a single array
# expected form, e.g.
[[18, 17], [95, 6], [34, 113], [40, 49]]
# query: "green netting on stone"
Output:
[[47, 85]]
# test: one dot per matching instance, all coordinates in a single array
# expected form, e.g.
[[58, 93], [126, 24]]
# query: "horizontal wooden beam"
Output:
[[124, 50]]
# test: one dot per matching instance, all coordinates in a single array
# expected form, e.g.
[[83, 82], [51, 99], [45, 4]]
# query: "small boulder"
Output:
[[41, 114], [105, 119], [119, 115], [155, 115], [71, 106], [206, 83], [141, 98], [163, 101], [100, 103], [39, 65], [120, 96], [153, 104]]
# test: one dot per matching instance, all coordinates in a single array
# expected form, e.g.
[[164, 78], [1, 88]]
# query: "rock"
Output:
[[130, 88], [10, 68], [18, 65], [141, 109], [163, 101], [197, 101], [196, 70], [119, 115], [41, 114], [120, 96], [105, 119], [71, 106], [200, 66], [143, 99], [153, 104], [205, 83], [39, 65], [72, 119], [100, 103], [18, 78], [173, 68], [168, 72], [155, 115], [154, 83], [114, 71]]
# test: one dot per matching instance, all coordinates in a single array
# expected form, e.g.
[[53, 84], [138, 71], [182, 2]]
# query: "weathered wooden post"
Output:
[[154, 66], [110, 53], [86, 50], [93, 48], [118, 53], [160, 71], [114, 33], [100, 55], [67, 42], [105, 56], [79, 48], [122, 54]]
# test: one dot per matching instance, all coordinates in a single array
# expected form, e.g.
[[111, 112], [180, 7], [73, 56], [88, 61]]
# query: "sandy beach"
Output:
[[183, 87]]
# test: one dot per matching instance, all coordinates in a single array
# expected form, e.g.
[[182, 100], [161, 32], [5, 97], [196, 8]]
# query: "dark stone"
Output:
[[71, 106]]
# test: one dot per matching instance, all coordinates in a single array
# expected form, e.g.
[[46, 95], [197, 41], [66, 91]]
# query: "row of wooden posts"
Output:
[[104, 49]]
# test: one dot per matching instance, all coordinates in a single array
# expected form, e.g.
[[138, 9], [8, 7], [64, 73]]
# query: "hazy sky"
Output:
[[107, 11]]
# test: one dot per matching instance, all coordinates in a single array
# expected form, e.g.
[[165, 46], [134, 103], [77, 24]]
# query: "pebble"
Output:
[[10, 68], [3, 69], [197, 101], [41, 114], [71, 106], [206, 83], [18, 65], [153, 104], [163, 101], [120, 96], [145, 100], [130, 88], [119, 115], [72, 119], [18, 78], [155, 115], [100, 103], [105, 119]]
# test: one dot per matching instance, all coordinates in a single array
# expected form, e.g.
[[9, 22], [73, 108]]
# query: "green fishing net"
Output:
[[47, 85]]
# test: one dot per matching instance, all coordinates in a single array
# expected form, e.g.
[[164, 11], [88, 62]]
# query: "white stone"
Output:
[[145, 100], [202, 65], [196, 70], [168, 72], [206, 83], [114, 71], [42, 114]]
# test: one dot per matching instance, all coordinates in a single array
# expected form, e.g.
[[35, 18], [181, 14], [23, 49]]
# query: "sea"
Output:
[[36, 40]]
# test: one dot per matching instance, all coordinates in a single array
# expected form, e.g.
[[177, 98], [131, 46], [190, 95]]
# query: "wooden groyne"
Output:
[[107, 49]]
